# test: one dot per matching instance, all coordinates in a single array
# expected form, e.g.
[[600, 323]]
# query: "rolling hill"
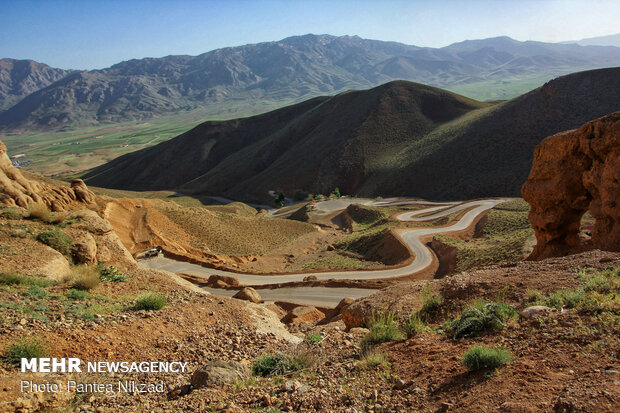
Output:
[[231, 82], [400, 138]]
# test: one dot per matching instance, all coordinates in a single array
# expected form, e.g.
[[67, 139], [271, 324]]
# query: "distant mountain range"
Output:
[[400, 138], [611, 40], [253, 78]]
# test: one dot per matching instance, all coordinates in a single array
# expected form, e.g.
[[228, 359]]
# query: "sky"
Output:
[[89, 34]]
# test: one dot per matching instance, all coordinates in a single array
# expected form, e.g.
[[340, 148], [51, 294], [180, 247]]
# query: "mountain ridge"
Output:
[[243, 79]]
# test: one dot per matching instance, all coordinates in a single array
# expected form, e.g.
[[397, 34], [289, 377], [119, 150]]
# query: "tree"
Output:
[[336, 193], [280, 199]]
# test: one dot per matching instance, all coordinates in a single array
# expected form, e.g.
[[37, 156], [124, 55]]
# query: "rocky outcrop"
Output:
[[219, 372], [249, 294], [19, 190], [303, 314], [574, 172]]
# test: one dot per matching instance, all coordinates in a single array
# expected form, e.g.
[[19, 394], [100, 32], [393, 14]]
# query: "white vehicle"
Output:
[[154, 252]]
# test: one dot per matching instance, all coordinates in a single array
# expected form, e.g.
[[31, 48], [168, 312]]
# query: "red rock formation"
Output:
[[18, 190], [574, 172]]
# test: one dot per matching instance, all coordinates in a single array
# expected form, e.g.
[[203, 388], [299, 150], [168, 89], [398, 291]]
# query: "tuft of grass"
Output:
[[314, 338], [84, 277], [373, 360], [414, 325], [36, 292], [568, 298], [431, 302], [481, 317], [483, 357], [150, 302], [279, 363], [11, 213], [77, 295], [25, 348], [39, 212], [110, 273], [56, 239], [383, 328], [13, 278]]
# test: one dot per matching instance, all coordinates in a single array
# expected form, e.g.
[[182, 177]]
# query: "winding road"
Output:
[[412, 237]]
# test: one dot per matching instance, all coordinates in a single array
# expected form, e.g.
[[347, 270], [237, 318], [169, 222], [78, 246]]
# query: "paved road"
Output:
[[423, 256], [317, 296]]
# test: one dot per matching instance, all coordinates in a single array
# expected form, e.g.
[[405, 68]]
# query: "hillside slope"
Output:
[[397, 139], [257, 77], [312, 146]]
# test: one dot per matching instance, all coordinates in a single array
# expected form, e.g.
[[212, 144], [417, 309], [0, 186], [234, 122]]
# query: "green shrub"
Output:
[[382, 328], [482, 357], [566, 298], [414, 325], [77, 295], [56, 239], [11, 213], [84, 277], [481, 317], [36, 292], [279, 363], [431, 302], [25, 348], [110, 273], [150, 302]]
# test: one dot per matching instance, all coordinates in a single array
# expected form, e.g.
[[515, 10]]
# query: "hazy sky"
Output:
[[88, 34]]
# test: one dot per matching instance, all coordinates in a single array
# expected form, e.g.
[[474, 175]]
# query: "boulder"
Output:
[[310, 278], [225, 279], [84, 248], [574, 172], [249, 294], [535, 311], [219, 372], [303, 314], [82, 193]]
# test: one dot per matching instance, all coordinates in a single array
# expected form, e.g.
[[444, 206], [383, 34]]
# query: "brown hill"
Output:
[[312, 146], [397, 139]]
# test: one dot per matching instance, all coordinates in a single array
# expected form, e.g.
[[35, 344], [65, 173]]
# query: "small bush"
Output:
[[110, 273], [534, 296], [482, 357], [278, 363], [431, 302], [566, 298], [382, 328], [56, 239], [84, 277], [25, 348], [36, 292], [314, 338], [481, 317], [39, 212], [414, 325], [11, 213], [150, 302], [77, 295], [373, 360]]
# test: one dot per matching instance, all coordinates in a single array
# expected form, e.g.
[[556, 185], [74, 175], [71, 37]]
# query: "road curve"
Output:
[[411, 237]]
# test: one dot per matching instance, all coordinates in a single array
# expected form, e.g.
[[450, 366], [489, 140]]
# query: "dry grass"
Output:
[[83, 277], [235, 233]]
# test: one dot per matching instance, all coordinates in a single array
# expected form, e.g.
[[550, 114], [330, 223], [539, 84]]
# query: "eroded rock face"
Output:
[[574, 172], [18, 190]]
